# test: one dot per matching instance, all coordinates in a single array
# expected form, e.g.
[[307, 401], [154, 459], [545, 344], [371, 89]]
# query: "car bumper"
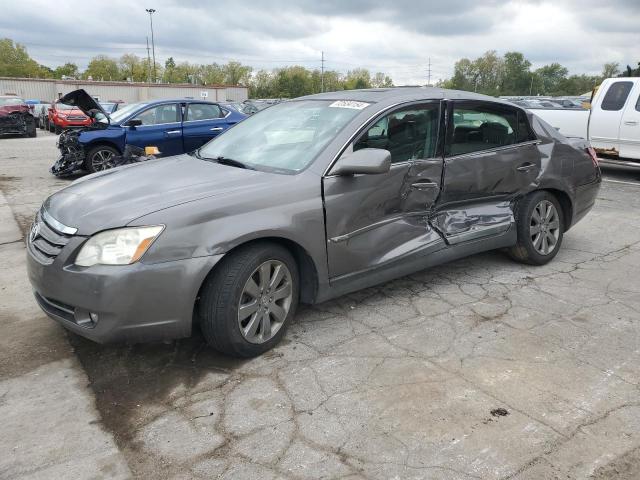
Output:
[[585, 199], [132, 303]]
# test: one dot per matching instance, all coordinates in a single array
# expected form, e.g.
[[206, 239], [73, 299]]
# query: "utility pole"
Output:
[[429, 73], [151, 11], [148, 62], [322, 73], [531, 86]]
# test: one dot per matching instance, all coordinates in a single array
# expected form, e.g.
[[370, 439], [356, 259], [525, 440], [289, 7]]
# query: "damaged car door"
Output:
[[491, 157], [376, 218]]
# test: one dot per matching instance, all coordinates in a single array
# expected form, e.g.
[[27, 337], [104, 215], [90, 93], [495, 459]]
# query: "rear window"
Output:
[[616, 96]]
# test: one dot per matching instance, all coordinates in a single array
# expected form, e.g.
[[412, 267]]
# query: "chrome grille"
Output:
[[76, 117], [45, 242]]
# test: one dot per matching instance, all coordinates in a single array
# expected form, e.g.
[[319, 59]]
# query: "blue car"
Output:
[[172, 126]]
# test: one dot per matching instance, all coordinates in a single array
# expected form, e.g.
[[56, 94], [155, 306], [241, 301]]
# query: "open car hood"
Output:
[[85, 102]]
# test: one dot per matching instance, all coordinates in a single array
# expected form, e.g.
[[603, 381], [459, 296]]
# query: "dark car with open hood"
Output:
[[171, 126], [16, 117], [304, 201]]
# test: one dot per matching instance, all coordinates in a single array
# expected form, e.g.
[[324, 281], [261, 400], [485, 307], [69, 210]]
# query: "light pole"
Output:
[[151, 11]]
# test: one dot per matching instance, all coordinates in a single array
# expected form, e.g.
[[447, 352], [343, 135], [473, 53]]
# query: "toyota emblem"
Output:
[[35, 231]]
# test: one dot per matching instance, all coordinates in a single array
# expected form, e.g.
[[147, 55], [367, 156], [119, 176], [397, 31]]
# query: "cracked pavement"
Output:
[[481, 368]]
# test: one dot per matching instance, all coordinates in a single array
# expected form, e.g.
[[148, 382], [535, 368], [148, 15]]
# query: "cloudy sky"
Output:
[[394, 36]]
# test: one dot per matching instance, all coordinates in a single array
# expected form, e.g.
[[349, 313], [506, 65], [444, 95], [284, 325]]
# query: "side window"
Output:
[[638, 104], [202, 111], [524, 133], [616, 96], [481, 127], [160, 114], [409, 134]]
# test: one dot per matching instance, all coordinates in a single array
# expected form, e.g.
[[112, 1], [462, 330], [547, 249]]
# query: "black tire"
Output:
[[526, 250], [30, 131], [57, 129], [100, 150], [223, 291]]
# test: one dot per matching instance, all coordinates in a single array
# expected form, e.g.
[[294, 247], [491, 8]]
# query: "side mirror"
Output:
[[369, 161], [134, 122]]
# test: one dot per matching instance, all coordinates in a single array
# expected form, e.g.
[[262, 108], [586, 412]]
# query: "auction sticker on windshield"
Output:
[[349, 104]]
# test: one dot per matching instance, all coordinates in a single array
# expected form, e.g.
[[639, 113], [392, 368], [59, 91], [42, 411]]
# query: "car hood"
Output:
[[85, 102], [7, 109], [115, 198]]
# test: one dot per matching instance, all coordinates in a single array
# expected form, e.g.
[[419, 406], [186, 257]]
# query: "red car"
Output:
[[62, 116], [16, 117]]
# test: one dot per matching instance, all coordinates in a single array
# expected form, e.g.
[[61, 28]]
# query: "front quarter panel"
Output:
[[112, 134], [289, 207]]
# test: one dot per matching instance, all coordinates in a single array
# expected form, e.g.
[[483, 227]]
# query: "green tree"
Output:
[[516, 77], [549, 79], [102, 67], [358, 78], [211, 74], [16, 62], [610, 70], [380, 80], [236, 74], [66, 70], [133, 67]]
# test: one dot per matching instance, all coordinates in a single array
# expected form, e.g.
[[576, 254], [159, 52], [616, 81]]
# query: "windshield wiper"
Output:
[[222, 160]]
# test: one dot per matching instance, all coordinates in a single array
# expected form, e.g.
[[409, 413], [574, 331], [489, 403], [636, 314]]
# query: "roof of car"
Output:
[[378, 95]]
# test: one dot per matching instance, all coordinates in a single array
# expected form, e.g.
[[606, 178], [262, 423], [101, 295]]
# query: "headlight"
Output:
[[118, 247]]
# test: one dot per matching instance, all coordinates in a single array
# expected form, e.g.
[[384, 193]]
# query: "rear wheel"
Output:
[[100, 158], [248, 301], [540, 226]]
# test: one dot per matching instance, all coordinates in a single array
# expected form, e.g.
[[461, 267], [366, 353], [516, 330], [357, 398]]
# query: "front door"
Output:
[[372, 220], [630, 126], [491, 155], [161, 127]]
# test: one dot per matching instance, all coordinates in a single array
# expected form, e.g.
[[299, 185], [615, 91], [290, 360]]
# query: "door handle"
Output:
[[216, 129], [173, 132], [424, 185], [525, 167], [630, 122]]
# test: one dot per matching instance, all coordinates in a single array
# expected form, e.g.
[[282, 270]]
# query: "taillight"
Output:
[[594, 157]]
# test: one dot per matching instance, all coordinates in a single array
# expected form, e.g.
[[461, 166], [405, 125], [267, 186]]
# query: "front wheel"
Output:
[[249, 299], [100, 158], [57, 129], [540, 226]]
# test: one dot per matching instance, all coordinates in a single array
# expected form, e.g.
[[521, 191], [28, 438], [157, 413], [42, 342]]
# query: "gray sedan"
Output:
[[305, 201]]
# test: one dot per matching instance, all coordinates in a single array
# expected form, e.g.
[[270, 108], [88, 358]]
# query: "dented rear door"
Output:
[[491, 157]]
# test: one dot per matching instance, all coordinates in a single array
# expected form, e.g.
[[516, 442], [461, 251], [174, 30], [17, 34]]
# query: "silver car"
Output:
[[302, 202]]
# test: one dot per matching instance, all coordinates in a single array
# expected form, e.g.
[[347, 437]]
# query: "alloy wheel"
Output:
[[545, 227], [265, 301], [101, 160]]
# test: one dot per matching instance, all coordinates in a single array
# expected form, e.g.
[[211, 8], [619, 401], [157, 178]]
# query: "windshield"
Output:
[[125, 111], [64, 106], [11, 101], [285, 137]]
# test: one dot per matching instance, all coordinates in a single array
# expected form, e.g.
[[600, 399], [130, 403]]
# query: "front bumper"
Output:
[[133, 303]]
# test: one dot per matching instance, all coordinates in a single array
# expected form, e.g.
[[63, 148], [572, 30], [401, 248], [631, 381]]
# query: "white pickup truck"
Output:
[[612, 125]]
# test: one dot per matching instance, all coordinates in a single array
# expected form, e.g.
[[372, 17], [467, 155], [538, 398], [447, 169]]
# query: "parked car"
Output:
[[41, 114], [612, 125], [302, 202], [173, 126], [63, 116], [16, 117], [111, 107]]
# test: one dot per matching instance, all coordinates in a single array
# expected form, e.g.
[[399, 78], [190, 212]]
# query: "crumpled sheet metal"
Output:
[[13, 123], [474, 222]]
